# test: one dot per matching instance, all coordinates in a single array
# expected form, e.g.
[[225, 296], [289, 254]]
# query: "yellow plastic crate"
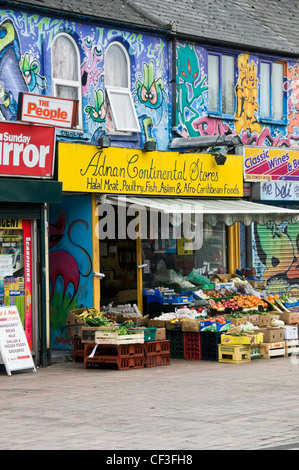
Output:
[[234, 353]]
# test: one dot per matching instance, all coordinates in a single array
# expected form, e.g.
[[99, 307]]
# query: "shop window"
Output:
[[121, 113], [174, 263], [221, 78], [66, 75], [272, 96]]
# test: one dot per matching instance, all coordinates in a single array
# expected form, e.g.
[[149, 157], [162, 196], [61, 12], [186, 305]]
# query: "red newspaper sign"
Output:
[[26, 150]]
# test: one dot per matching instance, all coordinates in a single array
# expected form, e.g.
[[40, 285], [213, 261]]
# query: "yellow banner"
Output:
[[85, 168]]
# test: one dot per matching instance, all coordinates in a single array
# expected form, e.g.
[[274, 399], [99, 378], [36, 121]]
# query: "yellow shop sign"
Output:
[[85, 168]]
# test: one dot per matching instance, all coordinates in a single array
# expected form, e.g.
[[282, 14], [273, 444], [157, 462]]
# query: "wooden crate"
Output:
[[234, 353], [269, 350], [291, 346]]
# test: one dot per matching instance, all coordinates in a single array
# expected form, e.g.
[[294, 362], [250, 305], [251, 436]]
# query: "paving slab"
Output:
[[187, 405]]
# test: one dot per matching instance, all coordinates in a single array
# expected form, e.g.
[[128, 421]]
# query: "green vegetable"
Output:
[[274, 307], [97, 321], [284, 298], [280, 304]]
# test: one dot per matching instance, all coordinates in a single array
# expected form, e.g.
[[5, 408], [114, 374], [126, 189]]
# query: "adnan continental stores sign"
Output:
[[131, 171], [26, 150]]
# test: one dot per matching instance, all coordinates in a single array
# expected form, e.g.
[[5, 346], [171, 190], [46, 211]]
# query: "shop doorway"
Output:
[[118, 262]]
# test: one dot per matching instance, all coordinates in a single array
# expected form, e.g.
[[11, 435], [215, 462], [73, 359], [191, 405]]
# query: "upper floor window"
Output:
[[271, 90], [221, 78], [66, 75], [121, 113]]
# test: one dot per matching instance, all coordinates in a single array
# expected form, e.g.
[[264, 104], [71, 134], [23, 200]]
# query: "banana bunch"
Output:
[[89, 313]]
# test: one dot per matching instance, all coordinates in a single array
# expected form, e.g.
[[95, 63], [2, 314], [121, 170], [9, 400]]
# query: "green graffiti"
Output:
[[187, 74]]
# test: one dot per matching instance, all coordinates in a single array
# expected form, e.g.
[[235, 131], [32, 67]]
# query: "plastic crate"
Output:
[[121, 363], [123, 350], [176, 338], [209, 345], [156, 360], [234, 353], [192, 345], [157, 347]]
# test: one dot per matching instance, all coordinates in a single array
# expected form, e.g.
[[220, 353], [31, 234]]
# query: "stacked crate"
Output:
[[157, 353], [209, 345], [192, 345], [176, 339], [273, 344], [124, 356]]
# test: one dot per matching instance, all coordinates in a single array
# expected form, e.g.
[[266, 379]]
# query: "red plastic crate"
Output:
[[157, 347], [192, 345], [122, 363], [156, 360]]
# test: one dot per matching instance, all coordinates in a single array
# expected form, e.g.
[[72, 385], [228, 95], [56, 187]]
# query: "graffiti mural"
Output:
[[150, 97], [276, 256], [246, 95], [192, 117], [190, 89], [70, 264], [23, 68]]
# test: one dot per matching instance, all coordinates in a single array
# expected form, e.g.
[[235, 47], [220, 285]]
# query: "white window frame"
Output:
[[126, 91], [69, 83], [269, 87]]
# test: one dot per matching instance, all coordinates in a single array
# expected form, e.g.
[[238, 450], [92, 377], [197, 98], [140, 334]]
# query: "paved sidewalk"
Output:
[[187, 405]]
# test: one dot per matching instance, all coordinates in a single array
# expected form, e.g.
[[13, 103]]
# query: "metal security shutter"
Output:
[[276, 256], [20, 211]]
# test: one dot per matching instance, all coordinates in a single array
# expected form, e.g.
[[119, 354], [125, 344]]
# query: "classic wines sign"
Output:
[[86, 168]]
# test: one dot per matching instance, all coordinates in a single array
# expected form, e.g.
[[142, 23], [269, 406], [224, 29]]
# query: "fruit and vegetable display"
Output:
[[238, 302]]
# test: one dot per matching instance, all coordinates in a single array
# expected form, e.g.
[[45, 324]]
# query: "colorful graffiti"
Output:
[[192, 117], [70, 265], [276, 256], [246, 94], [25, 66], [188, 74], [151, 97]]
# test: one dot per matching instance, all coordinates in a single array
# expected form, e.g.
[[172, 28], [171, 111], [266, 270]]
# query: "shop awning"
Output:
[[227, 211]]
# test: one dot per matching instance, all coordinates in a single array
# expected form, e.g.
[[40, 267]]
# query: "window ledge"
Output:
[[272, 121]]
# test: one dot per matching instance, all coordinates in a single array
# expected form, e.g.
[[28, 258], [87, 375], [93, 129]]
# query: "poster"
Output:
[[14, 347]]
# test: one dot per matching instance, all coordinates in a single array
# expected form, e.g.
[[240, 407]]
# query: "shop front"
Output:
[[274, 176], [159, 219], [26, 167]]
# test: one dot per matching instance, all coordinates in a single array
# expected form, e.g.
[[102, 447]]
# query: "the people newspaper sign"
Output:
[[14, 348]]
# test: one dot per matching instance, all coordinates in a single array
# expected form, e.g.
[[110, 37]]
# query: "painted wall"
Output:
[[70, 260], [276, 256], [25, 66], [192, 117]]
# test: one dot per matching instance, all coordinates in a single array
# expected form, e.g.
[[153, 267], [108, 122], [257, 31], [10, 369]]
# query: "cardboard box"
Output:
[[206, 325], [290, 332], [157, 323], [289, 318], [237, 321], [272, 334], [74, 332], [223, 281], [230, 339], [257, 284], [254, 319], [255, 338], [264, 320], [127, 296], [160, 334], [72, 317], [191, 325]]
